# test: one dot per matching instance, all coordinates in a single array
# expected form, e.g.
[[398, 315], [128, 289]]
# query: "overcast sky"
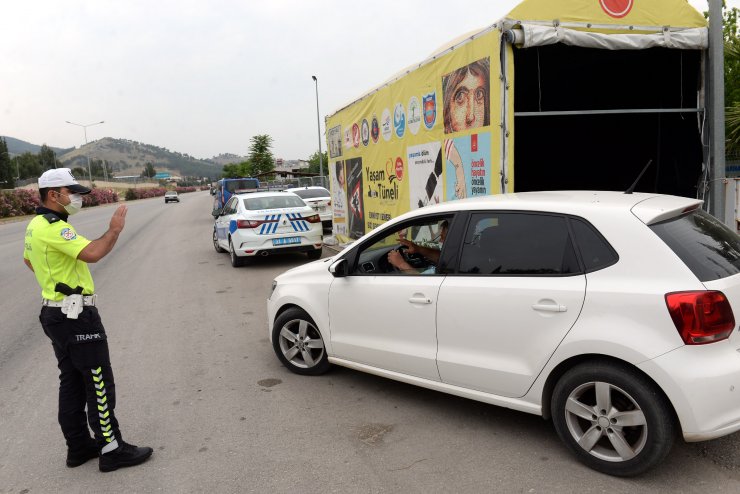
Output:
[[202, 77]]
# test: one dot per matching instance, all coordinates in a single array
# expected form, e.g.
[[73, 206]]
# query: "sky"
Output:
[[202, 77]]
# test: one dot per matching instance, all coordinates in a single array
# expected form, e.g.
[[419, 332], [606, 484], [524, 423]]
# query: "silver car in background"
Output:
[[319, 199]]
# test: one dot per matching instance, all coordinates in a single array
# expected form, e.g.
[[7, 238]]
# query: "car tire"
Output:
[[613, 418], [236, 261], [298, 343], [314, 254], [218, 248]]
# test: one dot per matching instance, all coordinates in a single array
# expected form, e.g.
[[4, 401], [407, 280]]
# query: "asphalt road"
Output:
[[197, 380]]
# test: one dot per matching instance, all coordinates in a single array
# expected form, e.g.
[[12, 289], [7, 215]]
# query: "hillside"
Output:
[[128, 157], [17, 146]]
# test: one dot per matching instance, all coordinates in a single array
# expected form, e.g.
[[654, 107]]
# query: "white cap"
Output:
[[61, 177]]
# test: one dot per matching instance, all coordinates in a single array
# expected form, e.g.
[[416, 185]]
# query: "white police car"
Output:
[[264, 223]]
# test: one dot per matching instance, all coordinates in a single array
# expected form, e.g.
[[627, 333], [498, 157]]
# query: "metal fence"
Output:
[[296, 182]]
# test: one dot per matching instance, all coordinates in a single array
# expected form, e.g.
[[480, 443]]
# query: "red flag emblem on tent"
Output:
[[616, 8]]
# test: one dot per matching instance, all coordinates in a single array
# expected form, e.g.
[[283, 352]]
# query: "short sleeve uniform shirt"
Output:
[[52, 248]]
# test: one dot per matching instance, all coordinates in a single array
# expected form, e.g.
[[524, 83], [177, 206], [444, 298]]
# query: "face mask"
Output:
[[75, 204]]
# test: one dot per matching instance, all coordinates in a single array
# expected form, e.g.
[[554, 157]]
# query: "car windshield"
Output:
[[704, 244], [273, 202], [172, 193], [312, 193]]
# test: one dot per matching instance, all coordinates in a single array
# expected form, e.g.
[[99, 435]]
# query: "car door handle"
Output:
[[420, 300], [550, 307]]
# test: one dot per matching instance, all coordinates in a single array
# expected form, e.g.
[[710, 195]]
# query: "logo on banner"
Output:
[[385, 124], [429, 102], [616, 8], [414, 115], [356, 135], [365, 129], [375, 129], [399, 120]]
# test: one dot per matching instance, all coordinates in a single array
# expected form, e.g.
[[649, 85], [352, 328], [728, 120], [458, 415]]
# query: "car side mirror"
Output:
[[339, 268], [216, 212]]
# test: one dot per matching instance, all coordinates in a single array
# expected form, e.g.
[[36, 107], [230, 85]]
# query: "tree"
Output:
[[732, 82], [313, 163], [149, 171], [29, 165], [732, 56], [260, 155], [234, 170], [6, 174], [47, 158], [732, 78]]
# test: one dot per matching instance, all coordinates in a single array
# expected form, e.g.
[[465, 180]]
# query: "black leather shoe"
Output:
[[125, 455], [75, 458]]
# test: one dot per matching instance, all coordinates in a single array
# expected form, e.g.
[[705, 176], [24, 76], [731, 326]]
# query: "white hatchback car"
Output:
[[263, 223], [319, 199], [611, 314]]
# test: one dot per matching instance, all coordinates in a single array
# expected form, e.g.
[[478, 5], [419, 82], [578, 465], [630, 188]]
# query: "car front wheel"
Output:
[[298, 343], [218, 248], [614, 419]]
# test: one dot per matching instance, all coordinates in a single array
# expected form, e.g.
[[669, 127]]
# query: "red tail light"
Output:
[[314, 218], [701, 317], [251, 223]]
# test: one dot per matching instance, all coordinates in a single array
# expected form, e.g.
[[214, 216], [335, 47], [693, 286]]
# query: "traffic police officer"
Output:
[[58, 256]]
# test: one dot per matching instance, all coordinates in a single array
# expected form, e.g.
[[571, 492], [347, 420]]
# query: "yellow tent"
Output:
[[611, 14], [579, 94]]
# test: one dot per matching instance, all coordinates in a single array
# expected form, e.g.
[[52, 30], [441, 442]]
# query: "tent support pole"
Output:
[[717, 114]]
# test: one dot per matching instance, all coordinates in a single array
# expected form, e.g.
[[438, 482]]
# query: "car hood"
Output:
[[320, 265]]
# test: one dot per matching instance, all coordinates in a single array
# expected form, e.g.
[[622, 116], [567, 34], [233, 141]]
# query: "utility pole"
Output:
[[717, 113]]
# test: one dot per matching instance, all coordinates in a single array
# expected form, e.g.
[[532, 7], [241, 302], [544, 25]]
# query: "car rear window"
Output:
[[709, 249], [311, 193], [246, 184], [275, 202], [595, 250]]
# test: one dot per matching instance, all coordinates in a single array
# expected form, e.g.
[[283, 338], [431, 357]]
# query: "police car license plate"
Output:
[[286, 241]]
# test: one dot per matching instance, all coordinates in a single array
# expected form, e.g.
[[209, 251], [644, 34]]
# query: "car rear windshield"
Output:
[[709, 249], [275, 202], [312, 193], [247, 184]]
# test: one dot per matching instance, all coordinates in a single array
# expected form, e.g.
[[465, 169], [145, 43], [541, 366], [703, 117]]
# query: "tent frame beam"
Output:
[[606, 112]]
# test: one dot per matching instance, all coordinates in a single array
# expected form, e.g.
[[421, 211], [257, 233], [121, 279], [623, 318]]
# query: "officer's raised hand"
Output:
[[99, 248]]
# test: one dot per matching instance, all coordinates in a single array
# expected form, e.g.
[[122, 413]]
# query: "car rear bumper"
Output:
[[703, 384], [252, 245], [285, 250]]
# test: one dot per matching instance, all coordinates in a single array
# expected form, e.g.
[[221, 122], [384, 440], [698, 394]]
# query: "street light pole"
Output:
[[84, 128], [318, 124]]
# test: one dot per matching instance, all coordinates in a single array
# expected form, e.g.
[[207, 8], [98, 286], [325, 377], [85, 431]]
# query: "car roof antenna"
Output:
[[632, 187]]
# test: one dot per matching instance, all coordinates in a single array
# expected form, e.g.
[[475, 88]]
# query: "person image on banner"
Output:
[[466, 97]]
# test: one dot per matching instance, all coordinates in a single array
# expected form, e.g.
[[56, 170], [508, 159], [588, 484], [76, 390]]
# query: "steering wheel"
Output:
[[415, 260]]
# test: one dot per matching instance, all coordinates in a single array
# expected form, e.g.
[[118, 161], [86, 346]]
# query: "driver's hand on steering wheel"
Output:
[[395, 258], [411, 246]]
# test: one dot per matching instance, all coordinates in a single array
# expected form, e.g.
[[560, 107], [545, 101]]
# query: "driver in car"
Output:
[[396, 259]]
